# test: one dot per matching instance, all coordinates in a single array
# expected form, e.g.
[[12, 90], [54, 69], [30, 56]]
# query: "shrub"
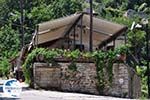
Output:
[[4, 67]]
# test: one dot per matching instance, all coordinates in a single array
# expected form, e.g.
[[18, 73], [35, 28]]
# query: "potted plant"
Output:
[[122, 52]]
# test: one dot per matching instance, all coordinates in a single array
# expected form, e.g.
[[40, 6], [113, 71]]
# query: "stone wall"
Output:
[[83, 79], [46, 76], [60, 77], [126, 83], [120, 81]]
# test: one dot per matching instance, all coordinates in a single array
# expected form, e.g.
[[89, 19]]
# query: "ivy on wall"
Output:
[[38, 52], [103, 60]]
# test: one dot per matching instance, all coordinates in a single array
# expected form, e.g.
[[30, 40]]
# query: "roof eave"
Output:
[[113, 37]]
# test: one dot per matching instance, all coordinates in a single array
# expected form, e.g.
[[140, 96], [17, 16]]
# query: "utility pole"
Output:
[[22, 23], [91, 27]]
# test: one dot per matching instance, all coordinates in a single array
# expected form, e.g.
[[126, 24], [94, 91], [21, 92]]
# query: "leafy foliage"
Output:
[[72, 54], [37, 11], [54, 10], [34, 12], [104, 61], [8, 47], [141, 72], [4, 67], [72, 66], [47, 54], [9, 39]]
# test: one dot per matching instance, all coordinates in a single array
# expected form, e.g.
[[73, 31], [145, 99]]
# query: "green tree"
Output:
[[54, 10], [9, 39], [9, 47]]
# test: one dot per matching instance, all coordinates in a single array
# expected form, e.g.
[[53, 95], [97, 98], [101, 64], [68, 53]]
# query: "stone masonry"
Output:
[[60, 77], [125, 83], [84, 79], [120, 80]]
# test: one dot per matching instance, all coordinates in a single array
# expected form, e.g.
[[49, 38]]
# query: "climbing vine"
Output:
[[100, 59], [103, 60], [48, 56], [104, 63]]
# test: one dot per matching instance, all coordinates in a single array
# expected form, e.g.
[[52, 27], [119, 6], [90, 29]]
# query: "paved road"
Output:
[[53, 95], [30, 94]]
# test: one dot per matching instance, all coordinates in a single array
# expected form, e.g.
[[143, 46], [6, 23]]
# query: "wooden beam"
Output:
[[111, 38], [73, 25]]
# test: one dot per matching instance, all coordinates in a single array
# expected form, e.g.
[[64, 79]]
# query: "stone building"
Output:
[[72, 32]]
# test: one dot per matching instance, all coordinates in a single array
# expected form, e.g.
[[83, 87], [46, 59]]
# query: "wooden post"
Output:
[[74, 38], [91, 27], [81, 28]]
